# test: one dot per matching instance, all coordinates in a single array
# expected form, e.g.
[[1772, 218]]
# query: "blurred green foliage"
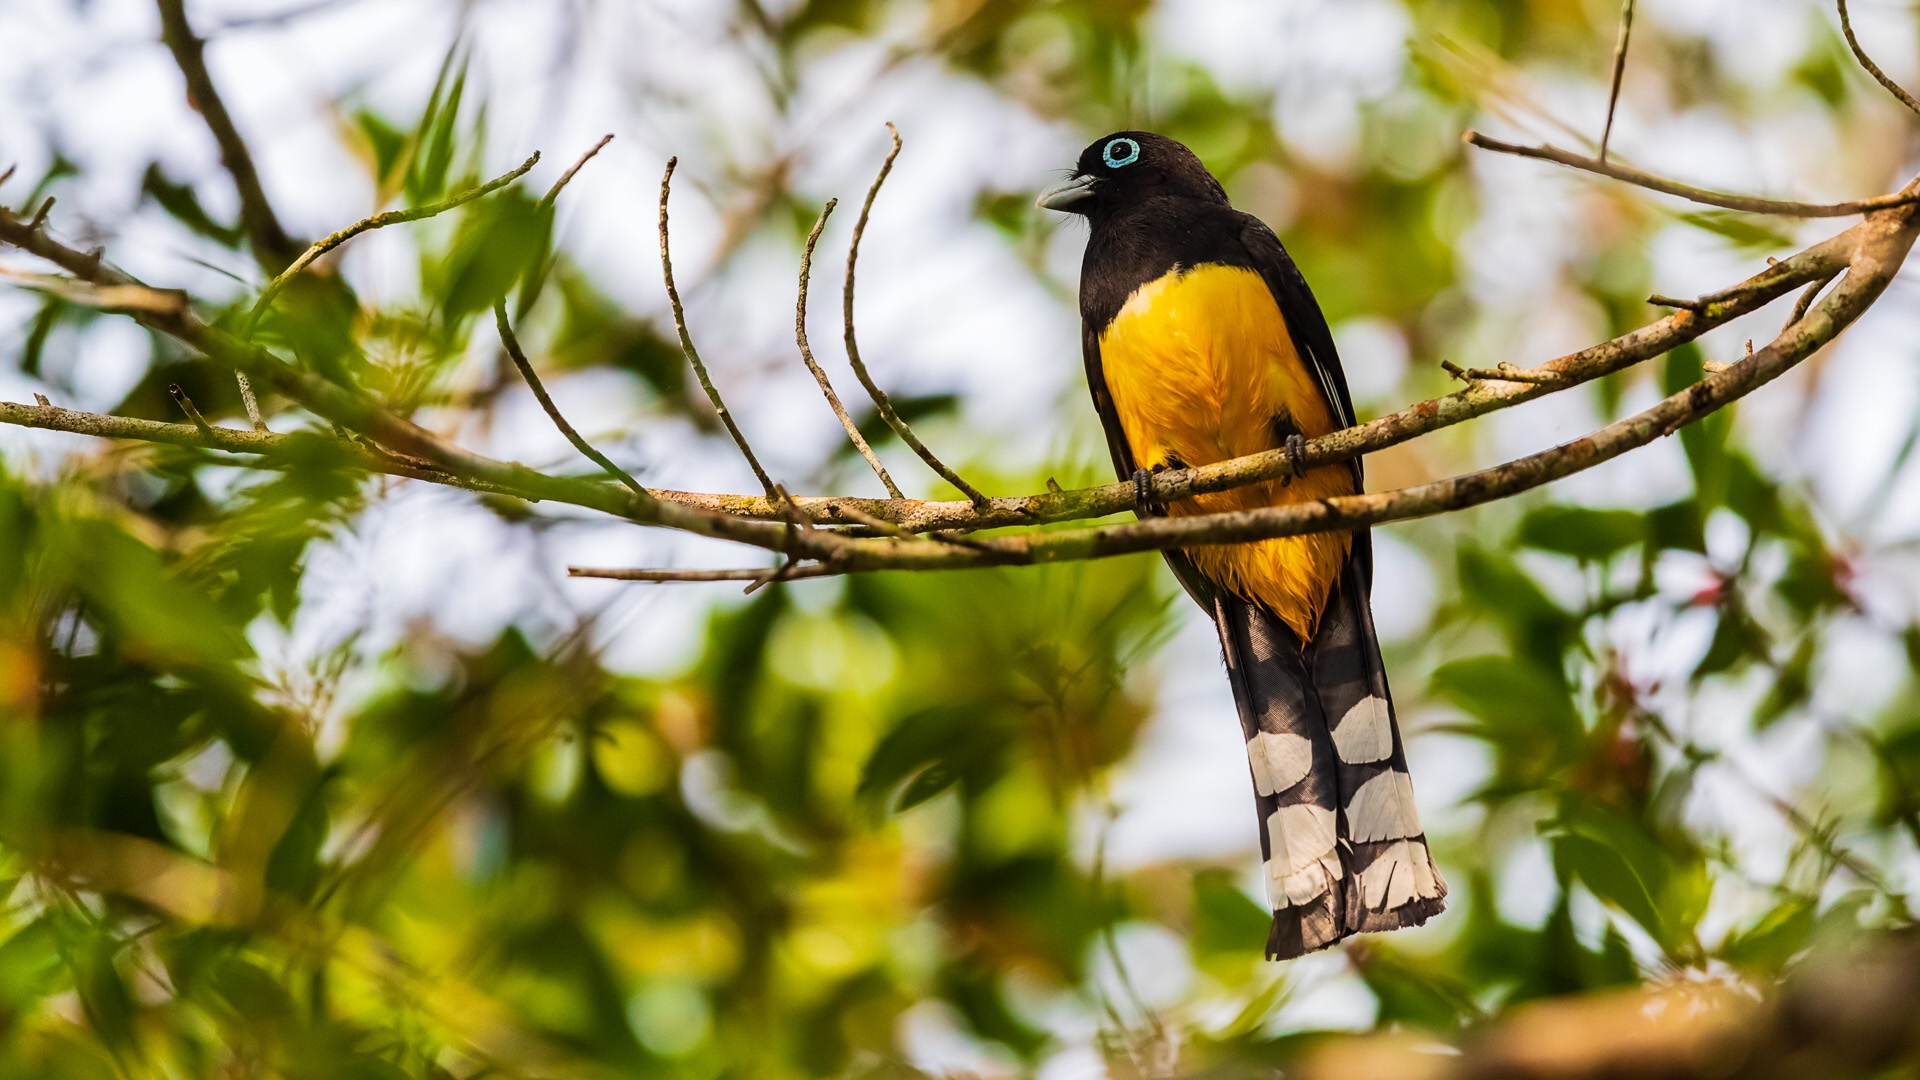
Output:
[[874, 803]]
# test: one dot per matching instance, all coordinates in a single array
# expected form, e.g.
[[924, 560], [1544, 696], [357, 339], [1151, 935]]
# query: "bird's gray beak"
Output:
[[1066, 194]]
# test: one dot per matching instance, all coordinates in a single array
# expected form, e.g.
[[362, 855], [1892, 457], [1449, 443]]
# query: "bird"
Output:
[[1203, 342]]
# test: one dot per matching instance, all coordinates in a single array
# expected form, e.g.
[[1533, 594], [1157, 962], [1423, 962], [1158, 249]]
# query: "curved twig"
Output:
[[520, 361], [1619, 70], [762, 576], [1745, 203], [819, 375], [879, 396], [686, 341], [1801, 305], [1860, 54], [377, 221], [554, 191]]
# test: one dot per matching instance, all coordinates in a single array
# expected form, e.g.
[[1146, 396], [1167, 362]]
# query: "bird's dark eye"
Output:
[[1119, 152]]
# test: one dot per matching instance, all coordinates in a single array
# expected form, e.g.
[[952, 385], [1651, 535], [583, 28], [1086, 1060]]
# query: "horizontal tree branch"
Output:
[[808, 571], [1822, 261], [1747, 203], [274, 450], [1885, 240], [1871, 250]]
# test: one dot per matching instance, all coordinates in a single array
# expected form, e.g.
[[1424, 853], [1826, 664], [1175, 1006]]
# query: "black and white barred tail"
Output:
[[1339, 834]]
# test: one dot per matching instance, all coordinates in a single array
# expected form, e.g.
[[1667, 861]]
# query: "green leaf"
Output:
[[500, 239], [1417, 994], [1665, 891], [30, 966], [1586, 534], [104, 996], [1610, 877], [180, 201], [1704, 440], [1768, 944], [1510, 697], [1678, 526], [1537, 629], [60, 168], [913, 409], [294, 867], [1757, 500], [433, 139], [1225, 919], [931, 750], [166, 622], [1792, 684], [388, 143], [1747, 232], [1737, 641]]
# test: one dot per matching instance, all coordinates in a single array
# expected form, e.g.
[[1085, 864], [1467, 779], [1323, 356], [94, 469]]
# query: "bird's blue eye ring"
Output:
[[1119, 152]]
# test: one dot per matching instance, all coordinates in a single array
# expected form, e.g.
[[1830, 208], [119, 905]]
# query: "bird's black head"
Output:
[[1129, 167]]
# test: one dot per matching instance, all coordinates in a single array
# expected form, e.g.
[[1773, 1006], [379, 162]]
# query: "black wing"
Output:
[[1123, 465], [1189, 577], [1311, 338]]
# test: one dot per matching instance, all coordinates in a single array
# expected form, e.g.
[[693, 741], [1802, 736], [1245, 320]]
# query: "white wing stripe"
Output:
[[1279, 760], [1365, 733]]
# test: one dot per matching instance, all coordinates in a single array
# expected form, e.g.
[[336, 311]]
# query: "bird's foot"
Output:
[[1143, 500], [1296, 447]]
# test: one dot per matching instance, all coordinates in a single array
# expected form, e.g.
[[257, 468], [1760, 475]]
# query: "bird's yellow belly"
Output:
[[1200, 367]]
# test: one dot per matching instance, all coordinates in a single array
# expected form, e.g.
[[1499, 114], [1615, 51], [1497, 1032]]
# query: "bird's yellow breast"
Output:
[[1201, 368]]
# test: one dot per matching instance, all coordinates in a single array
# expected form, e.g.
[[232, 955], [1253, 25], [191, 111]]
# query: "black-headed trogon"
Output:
[[1203, 343]]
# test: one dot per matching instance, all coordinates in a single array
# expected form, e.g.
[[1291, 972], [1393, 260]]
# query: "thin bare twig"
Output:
[[520, 361], [809, 571], [1745, 203], [798, 521], [181, 399], [819, 375], [1505, 373], [40, 215], [882, 527], [272, 247], [253, 404], [686, 340], [127, 298], [1801, 305], [879, 396], [1674, 302], [377, 221], [1860, 54], [1619, 70], [553, 192]]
